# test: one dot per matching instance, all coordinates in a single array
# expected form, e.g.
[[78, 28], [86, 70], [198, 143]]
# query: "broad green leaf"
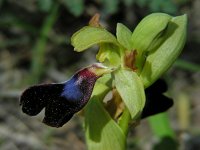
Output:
[[159, 60], [89, 36], [148, 30], [109, 53], [124, 36], [102, 132], [76, 7], [131, 90]]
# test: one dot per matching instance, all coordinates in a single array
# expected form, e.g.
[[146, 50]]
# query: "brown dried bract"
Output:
[[94, 21], [115, 106], [129, 60]]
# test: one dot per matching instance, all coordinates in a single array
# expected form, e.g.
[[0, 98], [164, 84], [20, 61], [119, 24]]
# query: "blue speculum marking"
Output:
[[71, 90]]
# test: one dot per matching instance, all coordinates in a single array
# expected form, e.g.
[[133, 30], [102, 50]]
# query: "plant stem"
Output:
[[38, 53], [124, 121], [160, 124]]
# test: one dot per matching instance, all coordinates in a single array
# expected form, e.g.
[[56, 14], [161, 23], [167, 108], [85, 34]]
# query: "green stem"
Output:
[[124, 121], [126, 116], [160, 124], [38, 57]]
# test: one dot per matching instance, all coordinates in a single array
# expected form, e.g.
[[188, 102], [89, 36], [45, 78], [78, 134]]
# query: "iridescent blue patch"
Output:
[[71, 90]]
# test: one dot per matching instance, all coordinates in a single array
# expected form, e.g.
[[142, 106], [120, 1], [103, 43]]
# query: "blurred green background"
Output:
[[35, 48]]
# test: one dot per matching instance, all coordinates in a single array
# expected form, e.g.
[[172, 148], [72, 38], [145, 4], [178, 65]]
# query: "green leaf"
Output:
[[109, 52], [124, 36], [131, 90], [89, 36], [148, 30], [102, 132], [76, 7], [159, 60]]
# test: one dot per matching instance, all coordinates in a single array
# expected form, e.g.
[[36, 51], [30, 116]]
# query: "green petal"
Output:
[[160, 59], [124, 36], [89, 36], [148, 30], [131, 90]]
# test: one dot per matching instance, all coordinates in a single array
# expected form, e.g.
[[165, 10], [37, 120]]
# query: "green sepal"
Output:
[[109, 54], [160, 59], [148, 30], [124, 36], [131, 89], [89, 36]]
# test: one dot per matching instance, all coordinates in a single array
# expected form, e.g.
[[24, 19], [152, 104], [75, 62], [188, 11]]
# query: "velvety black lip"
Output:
[[60, 101], [156, 101]]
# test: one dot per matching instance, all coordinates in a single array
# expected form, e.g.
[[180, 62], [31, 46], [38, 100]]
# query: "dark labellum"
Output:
[[156, 102], [61, 101], [58, 109]]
